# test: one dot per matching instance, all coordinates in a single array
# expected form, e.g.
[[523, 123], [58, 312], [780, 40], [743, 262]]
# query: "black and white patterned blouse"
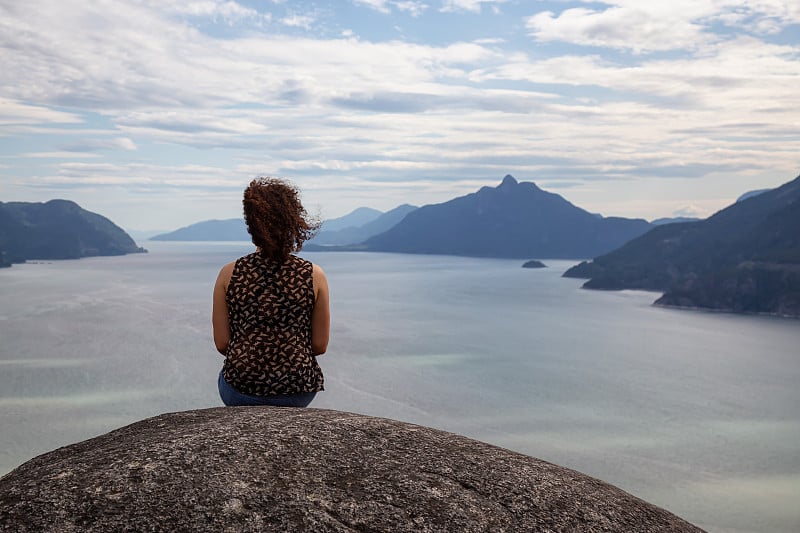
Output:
[[269, 311]]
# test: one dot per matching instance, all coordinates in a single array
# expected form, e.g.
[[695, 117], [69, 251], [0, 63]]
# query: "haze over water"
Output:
[[695, 412]]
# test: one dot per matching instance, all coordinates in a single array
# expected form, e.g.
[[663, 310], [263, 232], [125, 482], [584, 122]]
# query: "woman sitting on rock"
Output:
[[271, 315]]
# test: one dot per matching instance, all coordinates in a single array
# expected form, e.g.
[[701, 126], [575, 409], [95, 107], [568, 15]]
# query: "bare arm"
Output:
[[219, 313], [321, 315]]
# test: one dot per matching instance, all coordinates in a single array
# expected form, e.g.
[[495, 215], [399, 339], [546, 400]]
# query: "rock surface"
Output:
[[284, 469]]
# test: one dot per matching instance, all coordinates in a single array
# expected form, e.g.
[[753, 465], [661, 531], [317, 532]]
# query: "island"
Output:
[[533, 263]]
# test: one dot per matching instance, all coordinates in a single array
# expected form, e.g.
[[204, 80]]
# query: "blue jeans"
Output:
[[232, 397]]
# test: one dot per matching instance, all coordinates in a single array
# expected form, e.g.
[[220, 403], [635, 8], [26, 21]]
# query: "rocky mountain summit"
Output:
[[286, 469]]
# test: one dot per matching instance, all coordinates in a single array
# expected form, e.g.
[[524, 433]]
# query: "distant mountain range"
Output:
[[359, 233], [351, 228], [58, 229], [514, 220], [745, 258], [231, 229], [354, 219]]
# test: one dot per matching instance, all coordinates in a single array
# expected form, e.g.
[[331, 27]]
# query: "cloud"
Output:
[[643, 27], [329, 111], [377, 5], [765, 17], [295, 20], [208, 8], [638, 29], [56, 155], [16, 112], [744, 75], [473, 6], [412, 7], [159, 177], [181, 68], [690, 211], [93, 145], [415, 8]]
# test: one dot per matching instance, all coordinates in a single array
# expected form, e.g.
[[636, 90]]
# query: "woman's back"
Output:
[[270, 307]]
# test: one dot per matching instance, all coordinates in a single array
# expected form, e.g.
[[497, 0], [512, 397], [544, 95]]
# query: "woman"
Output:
[[271, 315]]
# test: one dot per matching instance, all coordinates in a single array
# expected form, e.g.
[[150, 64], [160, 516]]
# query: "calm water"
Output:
[[696, 412]]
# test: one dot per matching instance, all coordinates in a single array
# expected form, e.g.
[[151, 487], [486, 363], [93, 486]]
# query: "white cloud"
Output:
[[745, 77], [415, 8], [473, 6], [759, 16], [298, 21], [691, 210], [382, 115], [640, 28], [57, 155], [141, 174], [107, 143], [656, 26], [210, 8], [15, 112], [377, 5], [225, 10]]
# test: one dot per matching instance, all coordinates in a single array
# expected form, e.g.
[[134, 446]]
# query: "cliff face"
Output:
[[283, 469], [58, 229]]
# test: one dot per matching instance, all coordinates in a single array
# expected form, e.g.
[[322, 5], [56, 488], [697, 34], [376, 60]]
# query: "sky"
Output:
[[157, 113]]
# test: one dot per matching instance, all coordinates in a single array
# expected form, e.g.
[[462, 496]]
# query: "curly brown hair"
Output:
[[276, 220]]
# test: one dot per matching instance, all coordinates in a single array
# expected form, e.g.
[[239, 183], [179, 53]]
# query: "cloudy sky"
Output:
[[156, 113]]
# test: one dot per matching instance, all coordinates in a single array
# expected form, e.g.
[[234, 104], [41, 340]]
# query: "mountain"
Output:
[[58, 229], [353, 219], [750, 194], [745, 258], [232, 229], [515, 220], [358, 234], [235, 229]]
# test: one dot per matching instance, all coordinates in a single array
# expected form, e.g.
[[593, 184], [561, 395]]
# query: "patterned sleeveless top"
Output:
[[269, 311]]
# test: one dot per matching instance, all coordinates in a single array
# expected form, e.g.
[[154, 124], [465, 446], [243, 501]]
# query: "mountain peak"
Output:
[[514, 219], [508, 180]]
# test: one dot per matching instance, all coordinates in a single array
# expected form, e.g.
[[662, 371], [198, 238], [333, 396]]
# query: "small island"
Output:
[[533, 263]]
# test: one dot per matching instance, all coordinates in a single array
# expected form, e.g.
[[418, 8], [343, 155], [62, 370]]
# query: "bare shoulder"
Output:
[[318, 277], [225, 273]]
